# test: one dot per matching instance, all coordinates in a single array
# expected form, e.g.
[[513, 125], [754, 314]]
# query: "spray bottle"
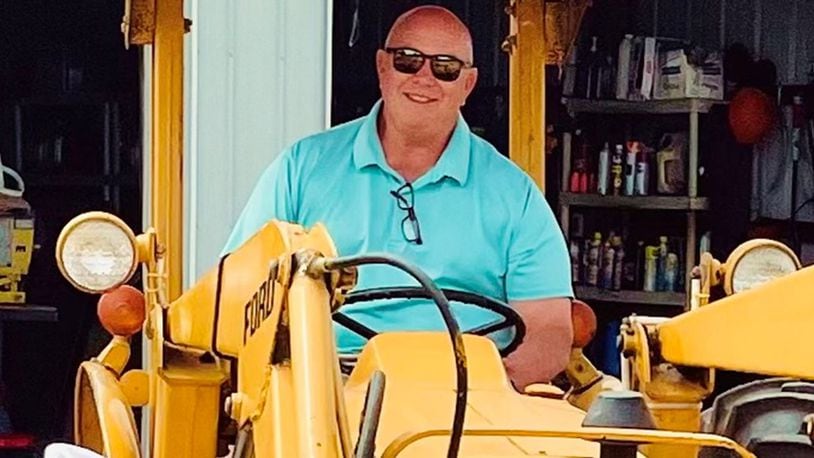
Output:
[[592, 269]]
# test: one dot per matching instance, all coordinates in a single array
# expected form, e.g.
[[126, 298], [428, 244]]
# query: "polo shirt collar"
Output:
[[453, 163]]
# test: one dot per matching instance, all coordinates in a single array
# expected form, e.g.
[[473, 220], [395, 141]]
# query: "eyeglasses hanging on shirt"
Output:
[[409, 225]]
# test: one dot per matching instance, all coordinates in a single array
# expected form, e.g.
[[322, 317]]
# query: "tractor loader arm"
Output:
[[762, 330]]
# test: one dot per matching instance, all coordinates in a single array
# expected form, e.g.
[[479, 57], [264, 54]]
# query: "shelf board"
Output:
[[27, 312], [592, 293], [676, 106], [71, 180], [67, 99], [635, 202]]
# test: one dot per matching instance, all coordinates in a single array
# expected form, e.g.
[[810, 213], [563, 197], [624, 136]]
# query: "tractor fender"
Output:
[[103, 416]]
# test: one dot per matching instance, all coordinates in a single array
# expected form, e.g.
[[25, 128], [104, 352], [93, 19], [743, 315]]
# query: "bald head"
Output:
[[415, 99], [432, 21]]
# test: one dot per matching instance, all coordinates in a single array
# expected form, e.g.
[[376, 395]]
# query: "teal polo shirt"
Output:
[[486, 227]]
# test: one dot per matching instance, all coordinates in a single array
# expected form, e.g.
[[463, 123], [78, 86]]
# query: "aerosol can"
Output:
[[616, 169]]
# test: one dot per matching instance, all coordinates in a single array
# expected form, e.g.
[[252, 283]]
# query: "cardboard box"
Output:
[[677, 78], [640, 71]]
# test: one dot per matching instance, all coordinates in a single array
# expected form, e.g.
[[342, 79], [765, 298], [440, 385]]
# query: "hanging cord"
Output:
[[354, 31]]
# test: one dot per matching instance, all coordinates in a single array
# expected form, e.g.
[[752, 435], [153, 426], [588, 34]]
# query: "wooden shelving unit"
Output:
[[591, 293], [678, 106], [111, 180], [689, 204], [635, 202]]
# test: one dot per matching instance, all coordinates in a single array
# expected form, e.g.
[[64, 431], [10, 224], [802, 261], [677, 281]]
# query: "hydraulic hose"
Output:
[[449, 320]]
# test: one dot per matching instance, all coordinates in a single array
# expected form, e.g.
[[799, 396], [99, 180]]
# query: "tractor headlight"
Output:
[[97, 252], [757, 262]]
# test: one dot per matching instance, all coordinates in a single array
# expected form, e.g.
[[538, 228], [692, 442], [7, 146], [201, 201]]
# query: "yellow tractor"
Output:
[[244, 362]]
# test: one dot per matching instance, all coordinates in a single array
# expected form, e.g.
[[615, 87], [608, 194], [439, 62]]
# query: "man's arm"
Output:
[[546, 347], [538, 286]]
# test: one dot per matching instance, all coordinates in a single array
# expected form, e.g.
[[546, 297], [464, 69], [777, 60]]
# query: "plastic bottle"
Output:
[[570, 75], [642, 175], [593, 67], [663, 250], [616, 169], [670, 272], [592, 269], [578, 182], [608, 258], [618, 263], [603, 170], [623, 67], [630, 167], [575, 261], [651, 254], [607, 83]]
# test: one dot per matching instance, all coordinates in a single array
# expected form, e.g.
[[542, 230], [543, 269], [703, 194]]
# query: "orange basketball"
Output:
[[121, 311], [751, 115]]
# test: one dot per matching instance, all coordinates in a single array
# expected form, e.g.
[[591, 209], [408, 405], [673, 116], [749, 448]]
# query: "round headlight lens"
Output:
[[97, 254], [760, 265]]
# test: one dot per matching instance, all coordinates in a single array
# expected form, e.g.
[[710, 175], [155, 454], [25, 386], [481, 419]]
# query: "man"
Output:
[[411, 179]]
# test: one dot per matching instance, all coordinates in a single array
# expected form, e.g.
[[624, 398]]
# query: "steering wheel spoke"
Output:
[[510, 318]]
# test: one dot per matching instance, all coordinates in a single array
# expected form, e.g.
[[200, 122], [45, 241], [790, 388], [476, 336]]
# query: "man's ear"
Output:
[[381, 62], [470, 80]]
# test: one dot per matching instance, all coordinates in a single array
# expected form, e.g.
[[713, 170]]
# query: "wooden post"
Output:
[[527, 88]]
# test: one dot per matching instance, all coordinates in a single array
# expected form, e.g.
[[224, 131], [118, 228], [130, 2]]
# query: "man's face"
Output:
[[421, 99]]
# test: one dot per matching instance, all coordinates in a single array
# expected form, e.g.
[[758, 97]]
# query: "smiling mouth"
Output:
[[419, 98]]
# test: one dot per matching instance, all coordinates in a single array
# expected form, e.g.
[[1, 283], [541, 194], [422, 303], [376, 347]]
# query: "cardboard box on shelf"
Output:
[[678, 78]]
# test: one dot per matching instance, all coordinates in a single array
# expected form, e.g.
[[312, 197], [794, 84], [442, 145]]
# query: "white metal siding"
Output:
[[256, 79]]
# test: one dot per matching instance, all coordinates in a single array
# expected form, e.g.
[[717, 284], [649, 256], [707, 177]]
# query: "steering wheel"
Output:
[[511, 319]]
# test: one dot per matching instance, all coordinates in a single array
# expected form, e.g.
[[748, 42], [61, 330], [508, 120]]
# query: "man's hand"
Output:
[[546, 347]]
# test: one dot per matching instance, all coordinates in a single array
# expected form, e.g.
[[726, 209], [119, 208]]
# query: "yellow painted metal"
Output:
[[291, 401], [620, 435], [103, 420], [274, 304], [277, 422], [20, 246], [187, 405], [678, 417], [244, 298], [674, 397], [420, 395], [166, 161], [116, 354], [586, 381], [135, 384], [527, 88], [312, 369], [253, 282], [755, 331]]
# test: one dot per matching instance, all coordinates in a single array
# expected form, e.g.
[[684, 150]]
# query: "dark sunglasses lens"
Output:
[[446, 70], [406, 63]]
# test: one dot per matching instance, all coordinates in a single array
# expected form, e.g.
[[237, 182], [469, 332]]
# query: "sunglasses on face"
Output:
[[444, 67]]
